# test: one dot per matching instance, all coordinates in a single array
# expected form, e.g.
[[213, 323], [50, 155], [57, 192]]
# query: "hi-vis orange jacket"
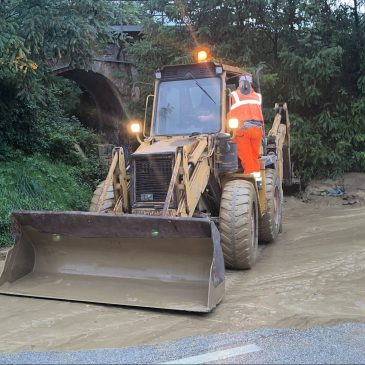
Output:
[[246, 107]]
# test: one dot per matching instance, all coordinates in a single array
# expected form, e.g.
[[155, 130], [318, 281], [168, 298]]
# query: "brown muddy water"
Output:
[[314, 274]]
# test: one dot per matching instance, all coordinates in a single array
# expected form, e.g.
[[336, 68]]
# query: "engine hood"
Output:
[[166, 146]]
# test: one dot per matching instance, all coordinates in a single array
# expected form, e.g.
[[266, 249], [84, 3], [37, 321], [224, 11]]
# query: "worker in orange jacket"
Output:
[[246, 107]]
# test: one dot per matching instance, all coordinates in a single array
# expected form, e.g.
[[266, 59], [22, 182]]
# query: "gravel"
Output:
[[344, 344]]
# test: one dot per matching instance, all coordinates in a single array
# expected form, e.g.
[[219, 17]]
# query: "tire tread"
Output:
[[267, 230], [234, 224]]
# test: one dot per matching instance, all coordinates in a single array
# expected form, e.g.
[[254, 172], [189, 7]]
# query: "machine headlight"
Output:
[[233, 123], [135, 127]]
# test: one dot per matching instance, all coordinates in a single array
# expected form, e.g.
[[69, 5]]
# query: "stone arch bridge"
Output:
[[106, 81]]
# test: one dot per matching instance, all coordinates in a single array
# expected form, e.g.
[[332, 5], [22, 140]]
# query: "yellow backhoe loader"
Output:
[[161, 234]]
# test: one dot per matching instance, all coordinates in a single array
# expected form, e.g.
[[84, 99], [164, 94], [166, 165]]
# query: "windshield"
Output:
[[188, 106]]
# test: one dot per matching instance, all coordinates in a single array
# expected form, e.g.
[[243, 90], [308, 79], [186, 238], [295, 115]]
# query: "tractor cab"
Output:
[[192, 99]]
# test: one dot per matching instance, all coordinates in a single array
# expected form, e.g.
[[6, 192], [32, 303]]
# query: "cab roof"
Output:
[[198, 70]]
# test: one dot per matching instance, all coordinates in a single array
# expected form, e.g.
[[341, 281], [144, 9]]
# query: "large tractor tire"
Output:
[[108, 202], [238, 224], [270, 222]]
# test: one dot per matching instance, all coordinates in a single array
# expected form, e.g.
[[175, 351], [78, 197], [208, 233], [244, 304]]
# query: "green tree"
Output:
[[314, 58], [34, 35]]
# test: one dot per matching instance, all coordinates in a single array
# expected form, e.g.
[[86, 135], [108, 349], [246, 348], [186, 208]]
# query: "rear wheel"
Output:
[[108, 201], [238, 224], [270, 222]]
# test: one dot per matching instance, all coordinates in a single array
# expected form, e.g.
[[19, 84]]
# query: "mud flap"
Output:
[[134, 260]]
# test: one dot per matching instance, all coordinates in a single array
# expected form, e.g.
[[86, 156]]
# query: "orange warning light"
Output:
[[202, 56]]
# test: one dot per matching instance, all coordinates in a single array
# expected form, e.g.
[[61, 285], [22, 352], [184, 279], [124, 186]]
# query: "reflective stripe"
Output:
[[235, 96], [252, 123], [245, 102], [239, 102]]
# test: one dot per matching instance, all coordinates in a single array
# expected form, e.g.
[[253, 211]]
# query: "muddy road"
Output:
[[313, 275]]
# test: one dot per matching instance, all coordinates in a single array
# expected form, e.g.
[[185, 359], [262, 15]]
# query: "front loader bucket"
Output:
[[134, 260]]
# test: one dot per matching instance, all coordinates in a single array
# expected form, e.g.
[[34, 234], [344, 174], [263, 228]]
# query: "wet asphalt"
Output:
[[340, 344]]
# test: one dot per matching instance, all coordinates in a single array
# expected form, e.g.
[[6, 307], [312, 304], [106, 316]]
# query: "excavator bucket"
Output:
[[133, 260]]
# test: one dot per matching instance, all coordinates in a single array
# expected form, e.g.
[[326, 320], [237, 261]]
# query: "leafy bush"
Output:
[[40, 167], [35, 182], [331, 143]]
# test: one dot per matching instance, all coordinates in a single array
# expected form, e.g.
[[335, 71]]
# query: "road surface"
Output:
[[314, 275]]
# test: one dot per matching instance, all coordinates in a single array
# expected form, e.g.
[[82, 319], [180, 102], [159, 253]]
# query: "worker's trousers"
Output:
[[248, 147]]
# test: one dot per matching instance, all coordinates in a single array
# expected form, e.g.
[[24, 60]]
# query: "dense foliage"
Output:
[[40, 168], [313, 53], [33, 35], [34, 182]]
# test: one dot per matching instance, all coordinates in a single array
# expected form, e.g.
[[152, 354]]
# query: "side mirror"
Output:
[[258, 83], [135, 94]]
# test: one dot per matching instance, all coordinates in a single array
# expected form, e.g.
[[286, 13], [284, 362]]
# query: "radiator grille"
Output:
[[152, 178]]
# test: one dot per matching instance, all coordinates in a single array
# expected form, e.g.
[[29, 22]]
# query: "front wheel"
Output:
[[238, 224], [270, 222], [109, 200]]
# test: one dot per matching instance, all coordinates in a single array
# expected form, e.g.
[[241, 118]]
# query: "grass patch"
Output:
[[36, 183]]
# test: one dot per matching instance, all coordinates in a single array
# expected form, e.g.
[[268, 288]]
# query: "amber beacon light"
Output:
[[202, 56]]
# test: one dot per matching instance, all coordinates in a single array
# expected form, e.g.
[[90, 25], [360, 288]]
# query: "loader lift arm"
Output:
[[117, 175], [278, 143]]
